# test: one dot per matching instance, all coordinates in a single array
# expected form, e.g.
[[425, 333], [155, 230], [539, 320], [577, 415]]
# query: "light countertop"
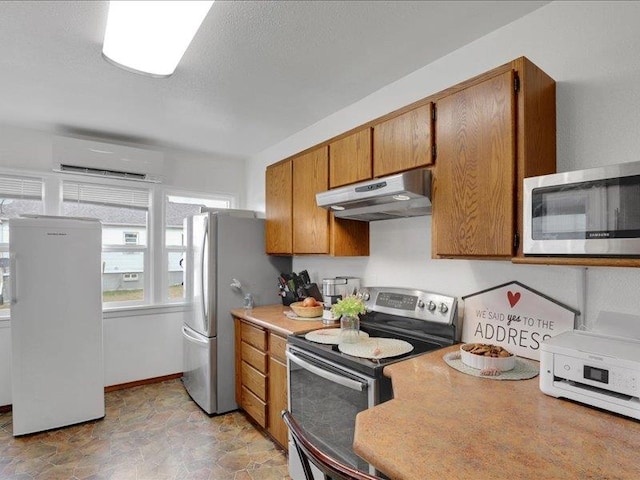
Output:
[[444, 424], [273, 318]]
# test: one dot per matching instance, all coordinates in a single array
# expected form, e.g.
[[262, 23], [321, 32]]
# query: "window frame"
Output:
[[5, 314], [166, 249], [145, 249], [156, 257]]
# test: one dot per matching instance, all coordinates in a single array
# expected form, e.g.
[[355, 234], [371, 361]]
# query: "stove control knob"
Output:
[[420, 304], [443, 308], [365, 295], [431, 306]]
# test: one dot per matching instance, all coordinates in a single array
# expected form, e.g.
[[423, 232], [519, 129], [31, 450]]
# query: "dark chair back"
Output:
[[308, 452]]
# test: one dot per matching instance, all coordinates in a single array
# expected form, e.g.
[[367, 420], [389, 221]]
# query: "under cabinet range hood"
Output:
[[406, 194]]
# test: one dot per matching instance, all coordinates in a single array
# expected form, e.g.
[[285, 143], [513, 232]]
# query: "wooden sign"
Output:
[[515, 317]]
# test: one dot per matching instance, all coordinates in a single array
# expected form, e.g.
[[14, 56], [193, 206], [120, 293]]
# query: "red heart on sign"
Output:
[[513, 298]]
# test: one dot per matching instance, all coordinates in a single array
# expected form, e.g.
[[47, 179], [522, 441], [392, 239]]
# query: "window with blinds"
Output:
[[177, 208], [18, 196], [119, 208], [129, 269], [123, 212], [94, 194]]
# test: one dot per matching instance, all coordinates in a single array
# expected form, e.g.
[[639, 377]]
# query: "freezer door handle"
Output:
[[13, 282], [186, 333]]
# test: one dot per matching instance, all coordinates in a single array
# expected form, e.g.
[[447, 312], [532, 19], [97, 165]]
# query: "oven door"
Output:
[[325, 398]]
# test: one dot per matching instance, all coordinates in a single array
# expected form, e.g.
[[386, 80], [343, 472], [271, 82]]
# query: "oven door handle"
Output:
[[332, 377]]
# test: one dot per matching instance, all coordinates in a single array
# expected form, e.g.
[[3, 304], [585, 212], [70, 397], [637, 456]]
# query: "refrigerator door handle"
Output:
[[203, 273], [13, 283], [186, 333]]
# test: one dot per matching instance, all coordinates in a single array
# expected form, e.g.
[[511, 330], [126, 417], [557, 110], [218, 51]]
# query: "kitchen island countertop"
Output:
[[273, 318], [445, 424]]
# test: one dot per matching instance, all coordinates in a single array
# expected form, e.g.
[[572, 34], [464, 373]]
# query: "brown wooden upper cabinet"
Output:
[[310, 223], [490, 134], [403, 142], [278, 208], [350, 159], [475, 171], [294, 222], [482, 137]]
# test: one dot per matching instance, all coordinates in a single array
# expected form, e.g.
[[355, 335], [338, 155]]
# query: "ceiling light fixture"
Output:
[[151, 37]]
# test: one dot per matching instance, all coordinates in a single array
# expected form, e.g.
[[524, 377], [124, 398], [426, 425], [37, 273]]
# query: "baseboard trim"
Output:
[[121, 386], [146, 381]]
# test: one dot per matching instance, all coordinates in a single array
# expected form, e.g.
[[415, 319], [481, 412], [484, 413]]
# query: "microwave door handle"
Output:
[[332, 377]]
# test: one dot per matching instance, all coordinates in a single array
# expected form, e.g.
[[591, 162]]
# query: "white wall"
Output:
[[137, 345], [591, 50], [26, 149], [144, 346]]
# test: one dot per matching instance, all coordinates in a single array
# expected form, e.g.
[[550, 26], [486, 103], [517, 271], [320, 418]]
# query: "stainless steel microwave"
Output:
[[594, 212]]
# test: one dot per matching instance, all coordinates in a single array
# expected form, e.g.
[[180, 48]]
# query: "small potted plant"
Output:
[[348, 310]]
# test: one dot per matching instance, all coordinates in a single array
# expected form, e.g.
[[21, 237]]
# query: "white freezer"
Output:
[[56, 322]]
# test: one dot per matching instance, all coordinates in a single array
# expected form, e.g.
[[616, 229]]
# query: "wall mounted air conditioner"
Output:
[[109, 160]]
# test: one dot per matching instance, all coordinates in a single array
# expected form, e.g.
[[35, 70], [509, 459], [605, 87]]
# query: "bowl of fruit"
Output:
[[308, 308]]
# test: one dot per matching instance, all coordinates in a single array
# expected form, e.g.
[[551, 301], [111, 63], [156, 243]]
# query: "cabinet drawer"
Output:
[[254, 357], [254, 336], [254, 381], [255, 407], [277, 346]]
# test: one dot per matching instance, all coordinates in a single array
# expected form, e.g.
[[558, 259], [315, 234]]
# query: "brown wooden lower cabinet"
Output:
[[254, 406], [261, 377], [278, 387]]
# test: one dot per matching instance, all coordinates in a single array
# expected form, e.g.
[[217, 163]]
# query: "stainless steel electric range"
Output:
[[327, 388]]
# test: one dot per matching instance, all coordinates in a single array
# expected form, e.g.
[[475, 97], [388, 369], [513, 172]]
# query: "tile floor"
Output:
[[151, 432]]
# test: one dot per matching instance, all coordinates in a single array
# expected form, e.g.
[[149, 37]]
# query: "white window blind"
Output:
[[19, 187], [105, 195]]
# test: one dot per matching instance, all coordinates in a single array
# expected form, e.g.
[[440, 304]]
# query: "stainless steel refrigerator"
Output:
[[224, 262], [56, 322]]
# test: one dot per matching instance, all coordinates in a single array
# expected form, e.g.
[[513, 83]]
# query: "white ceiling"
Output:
[[256, 72]]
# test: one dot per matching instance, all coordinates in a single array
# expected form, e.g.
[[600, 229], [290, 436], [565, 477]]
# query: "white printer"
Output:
[[594, 369]]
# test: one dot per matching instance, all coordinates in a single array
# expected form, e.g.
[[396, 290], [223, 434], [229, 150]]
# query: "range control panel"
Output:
[[432, 307]]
